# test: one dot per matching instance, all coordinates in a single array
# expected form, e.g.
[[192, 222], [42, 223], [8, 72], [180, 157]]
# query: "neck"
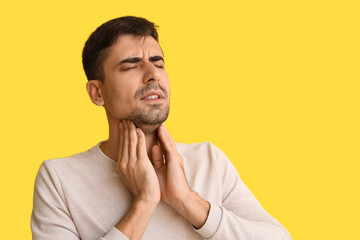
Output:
[[111, 146]]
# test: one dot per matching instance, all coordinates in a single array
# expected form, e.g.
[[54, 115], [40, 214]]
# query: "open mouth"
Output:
[[152, 96]]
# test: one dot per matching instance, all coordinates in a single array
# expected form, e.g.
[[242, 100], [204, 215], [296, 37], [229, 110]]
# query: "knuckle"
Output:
[[132, 140], [138, 147], [122, 167]]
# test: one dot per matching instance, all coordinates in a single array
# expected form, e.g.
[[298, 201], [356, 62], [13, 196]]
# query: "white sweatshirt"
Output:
[[82, 197]]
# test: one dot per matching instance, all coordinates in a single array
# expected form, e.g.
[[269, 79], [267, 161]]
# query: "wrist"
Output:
[[193, 208], [148, 198], [135, 221], [149, 204]]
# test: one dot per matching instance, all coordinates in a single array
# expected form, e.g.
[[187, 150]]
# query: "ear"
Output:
[[94, 91]]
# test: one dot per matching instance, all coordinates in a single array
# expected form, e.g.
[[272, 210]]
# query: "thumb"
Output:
[[157, 157]]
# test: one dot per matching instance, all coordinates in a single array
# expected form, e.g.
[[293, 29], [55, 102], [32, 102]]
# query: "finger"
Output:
[[141, 146], [157, 157], [132, 142], [120, 129], [125, 140], [167, 142]]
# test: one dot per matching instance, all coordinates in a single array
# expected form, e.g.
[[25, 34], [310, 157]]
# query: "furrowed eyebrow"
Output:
[[156, 58], [137, 59], [130, 60]]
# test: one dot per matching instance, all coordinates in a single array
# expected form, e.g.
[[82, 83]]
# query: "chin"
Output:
[[149, 121], [149, 128]]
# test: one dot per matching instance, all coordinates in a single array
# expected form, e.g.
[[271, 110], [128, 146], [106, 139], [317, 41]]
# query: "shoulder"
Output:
[[75, 171], [185, 147], [70, 163], [204, 149], [204, 153]]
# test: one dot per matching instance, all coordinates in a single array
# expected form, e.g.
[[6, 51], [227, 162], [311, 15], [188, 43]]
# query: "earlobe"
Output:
[[94, 91]]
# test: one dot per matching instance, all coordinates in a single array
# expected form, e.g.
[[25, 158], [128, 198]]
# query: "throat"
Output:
[[151, 140]]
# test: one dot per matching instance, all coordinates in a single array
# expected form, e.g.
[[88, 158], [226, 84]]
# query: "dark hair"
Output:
[[95, 49]]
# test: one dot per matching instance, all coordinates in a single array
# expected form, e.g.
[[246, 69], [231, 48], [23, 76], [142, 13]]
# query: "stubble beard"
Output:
[[150, 116], [150, 120]]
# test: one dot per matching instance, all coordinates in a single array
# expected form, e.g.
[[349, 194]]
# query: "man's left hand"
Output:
[[174, 188]]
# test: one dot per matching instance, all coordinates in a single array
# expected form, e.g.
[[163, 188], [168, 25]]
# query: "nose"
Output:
[[152, 73]]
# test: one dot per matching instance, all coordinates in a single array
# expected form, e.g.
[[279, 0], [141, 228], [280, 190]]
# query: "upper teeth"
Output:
[[152, 97]]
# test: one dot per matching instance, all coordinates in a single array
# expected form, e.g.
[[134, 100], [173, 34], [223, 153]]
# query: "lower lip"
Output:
[[152, 100]]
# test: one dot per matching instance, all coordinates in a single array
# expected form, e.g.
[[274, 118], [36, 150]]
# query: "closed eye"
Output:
[[157, 59], [128, 68]]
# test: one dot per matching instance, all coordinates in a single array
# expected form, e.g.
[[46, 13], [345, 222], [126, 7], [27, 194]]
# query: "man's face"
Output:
[[136, 85]]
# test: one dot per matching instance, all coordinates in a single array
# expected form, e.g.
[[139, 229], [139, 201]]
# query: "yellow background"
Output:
[[274, 84]]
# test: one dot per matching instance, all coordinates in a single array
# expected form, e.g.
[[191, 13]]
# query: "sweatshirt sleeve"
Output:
[[240, 216], [114, 234], [51, 219]]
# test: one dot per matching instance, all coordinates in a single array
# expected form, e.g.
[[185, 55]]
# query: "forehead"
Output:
[[134, 46]]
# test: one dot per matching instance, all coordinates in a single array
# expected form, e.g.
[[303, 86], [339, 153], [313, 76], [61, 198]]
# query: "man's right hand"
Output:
[[134, 165], [138, 175]]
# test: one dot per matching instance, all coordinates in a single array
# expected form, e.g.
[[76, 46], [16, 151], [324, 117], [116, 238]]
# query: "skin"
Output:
[[138, 146]]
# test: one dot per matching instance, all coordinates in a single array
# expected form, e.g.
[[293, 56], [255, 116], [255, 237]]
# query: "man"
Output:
[[140, 184]]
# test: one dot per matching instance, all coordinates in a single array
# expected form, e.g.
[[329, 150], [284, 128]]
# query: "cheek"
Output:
[[119, 100], [119, 92]]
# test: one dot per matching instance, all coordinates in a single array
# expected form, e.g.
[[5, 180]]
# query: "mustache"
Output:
[[153, 86]]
